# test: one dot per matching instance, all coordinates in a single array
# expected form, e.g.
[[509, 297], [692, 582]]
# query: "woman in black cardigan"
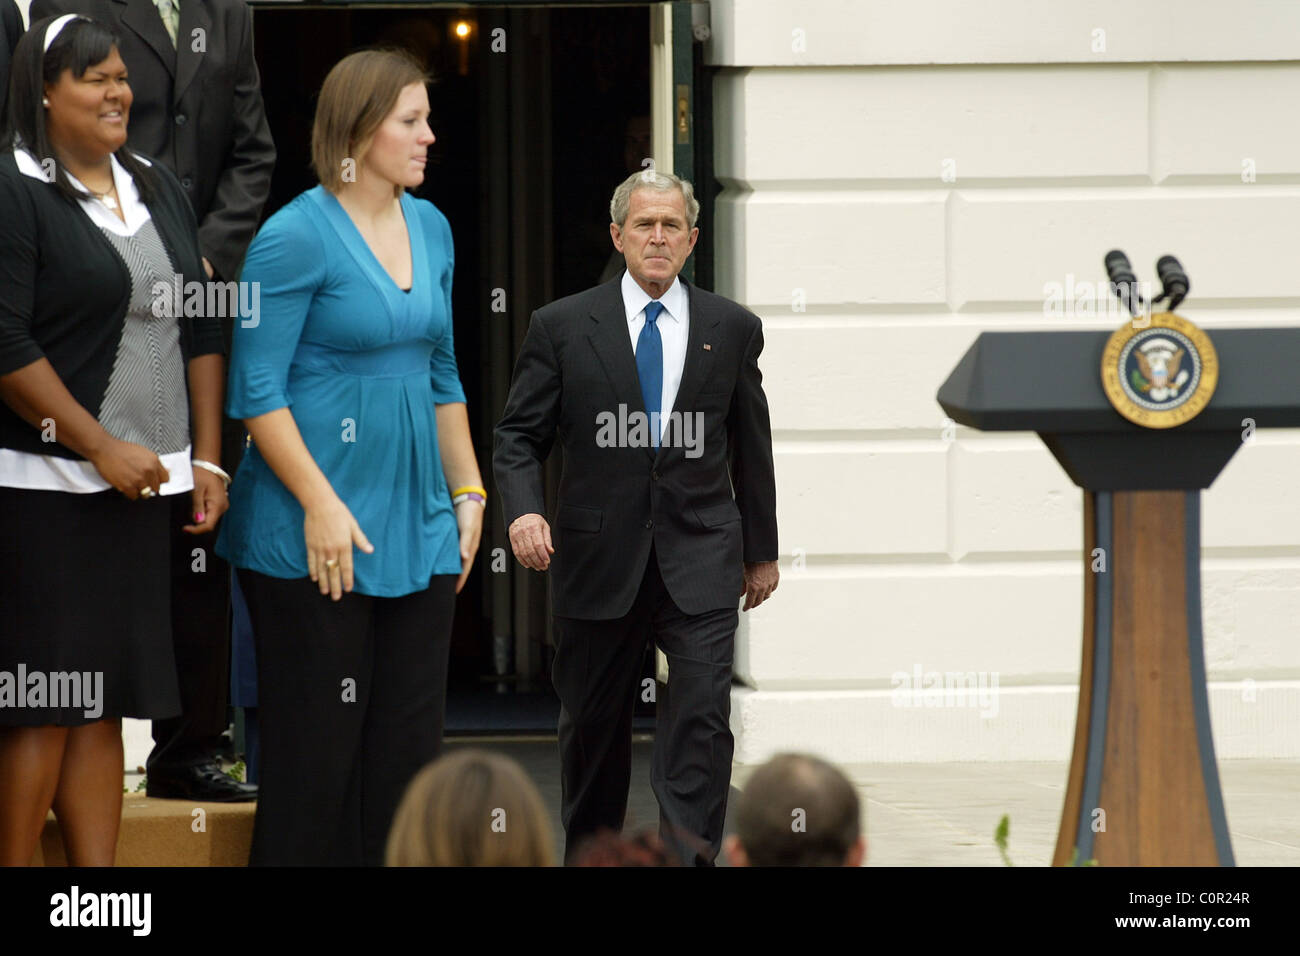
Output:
[[110, 399]]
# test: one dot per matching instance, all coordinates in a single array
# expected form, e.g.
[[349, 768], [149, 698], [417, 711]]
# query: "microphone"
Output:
[[1174, 283], [1123, 283]]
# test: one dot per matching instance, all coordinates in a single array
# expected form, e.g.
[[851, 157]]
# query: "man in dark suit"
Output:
[[11, 30], [649, 542], [197, 109]]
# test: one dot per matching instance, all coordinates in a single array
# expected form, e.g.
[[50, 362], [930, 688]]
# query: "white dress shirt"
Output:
[[673, 323]]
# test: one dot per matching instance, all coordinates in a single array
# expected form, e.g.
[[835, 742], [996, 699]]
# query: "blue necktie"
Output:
[[650, 366]]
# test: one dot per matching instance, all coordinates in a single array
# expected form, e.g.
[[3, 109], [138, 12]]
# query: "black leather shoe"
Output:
[[204, 783]]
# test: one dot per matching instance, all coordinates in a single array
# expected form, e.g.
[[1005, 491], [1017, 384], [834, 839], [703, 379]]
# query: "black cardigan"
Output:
[[64, 291]]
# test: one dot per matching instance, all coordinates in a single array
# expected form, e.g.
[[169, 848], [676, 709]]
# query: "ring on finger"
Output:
[[332, 564]]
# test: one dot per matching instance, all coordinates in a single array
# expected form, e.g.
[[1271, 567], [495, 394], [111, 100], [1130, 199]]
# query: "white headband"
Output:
[[52, 31]]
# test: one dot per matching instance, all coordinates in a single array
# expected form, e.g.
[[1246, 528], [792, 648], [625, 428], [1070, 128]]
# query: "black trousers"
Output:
[[597, 674], [351, 702], [200, 586]]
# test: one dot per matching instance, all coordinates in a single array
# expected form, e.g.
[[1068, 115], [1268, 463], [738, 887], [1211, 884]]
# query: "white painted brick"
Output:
[[1010, 495], [868, 727], [1255, 502], [1236, 243], [885, 497], [809, 125], [851, 32], [851, 627], [137, 742], [836, 377], [1251, 614], [1206, 119], [856, 627], [836, 247], [821, 168], [1031, 723]]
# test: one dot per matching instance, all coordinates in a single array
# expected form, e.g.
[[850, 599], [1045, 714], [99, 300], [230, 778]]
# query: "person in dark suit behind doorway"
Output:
[[649, 542], [198, 110], [11, 29]]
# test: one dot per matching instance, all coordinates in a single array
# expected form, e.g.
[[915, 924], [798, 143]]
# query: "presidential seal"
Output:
[[1159, 375]]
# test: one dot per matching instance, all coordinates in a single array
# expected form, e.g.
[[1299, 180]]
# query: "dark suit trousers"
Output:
[[335, 764], [597, 674], [200, 633]]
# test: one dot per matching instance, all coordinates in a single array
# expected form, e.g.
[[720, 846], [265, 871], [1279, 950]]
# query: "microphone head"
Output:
[[1173, 280], [1123, 282], [1116, 261]]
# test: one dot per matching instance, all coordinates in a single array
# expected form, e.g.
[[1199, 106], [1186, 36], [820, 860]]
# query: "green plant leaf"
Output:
[[1000, 835]]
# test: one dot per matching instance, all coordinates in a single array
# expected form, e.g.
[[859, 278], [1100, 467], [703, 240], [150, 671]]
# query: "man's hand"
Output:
[[530, 537], [760, 582]]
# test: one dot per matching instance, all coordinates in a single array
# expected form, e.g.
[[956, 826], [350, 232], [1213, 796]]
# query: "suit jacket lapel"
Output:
[[699, 361], [194, 16], [613, 346], [142, 17]]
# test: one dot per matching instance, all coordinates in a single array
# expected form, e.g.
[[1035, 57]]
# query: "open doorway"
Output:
[[538, 112]]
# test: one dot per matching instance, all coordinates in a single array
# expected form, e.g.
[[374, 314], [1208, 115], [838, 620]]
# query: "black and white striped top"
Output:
[[146, 399]]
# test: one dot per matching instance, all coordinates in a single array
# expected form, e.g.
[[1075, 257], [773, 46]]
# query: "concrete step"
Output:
[[158, 832]]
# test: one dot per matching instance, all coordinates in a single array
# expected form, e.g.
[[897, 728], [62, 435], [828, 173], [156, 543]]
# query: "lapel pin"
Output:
[[708, 347]]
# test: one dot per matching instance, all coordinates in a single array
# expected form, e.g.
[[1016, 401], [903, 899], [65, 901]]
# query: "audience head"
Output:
[[797, 810], [471, 808], [70, 99], [372, 121], [608, 848]]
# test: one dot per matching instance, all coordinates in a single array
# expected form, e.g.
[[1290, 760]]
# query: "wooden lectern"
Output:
[[1143, 753]]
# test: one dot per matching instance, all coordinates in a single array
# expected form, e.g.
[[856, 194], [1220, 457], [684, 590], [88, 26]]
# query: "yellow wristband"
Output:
[[459, 491]]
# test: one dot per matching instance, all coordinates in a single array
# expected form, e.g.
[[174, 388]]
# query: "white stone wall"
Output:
[[901, 176]]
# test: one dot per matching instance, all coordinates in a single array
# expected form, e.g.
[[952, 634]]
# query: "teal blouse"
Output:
[[361, 365]]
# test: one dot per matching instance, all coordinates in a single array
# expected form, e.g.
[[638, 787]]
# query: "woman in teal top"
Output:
[[352, 356], [356, 515]]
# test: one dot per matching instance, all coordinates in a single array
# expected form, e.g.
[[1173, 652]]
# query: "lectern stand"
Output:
[[1143, 788]]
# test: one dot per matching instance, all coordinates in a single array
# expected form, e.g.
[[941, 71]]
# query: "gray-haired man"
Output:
[[652, 387]]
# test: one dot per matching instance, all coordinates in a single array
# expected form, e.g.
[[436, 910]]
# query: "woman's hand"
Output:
[[209, 501], [130, 468], [469, 518], [331, 531]]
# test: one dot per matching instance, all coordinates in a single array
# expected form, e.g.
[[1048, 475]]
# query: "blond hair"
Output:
[[355, 99], [471, 808]]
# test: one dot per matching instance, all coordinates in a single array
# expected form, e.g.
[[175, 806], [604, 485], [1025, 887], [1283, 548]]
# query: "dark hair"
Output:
[[607, 848], [797, 810], [81, 44]]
